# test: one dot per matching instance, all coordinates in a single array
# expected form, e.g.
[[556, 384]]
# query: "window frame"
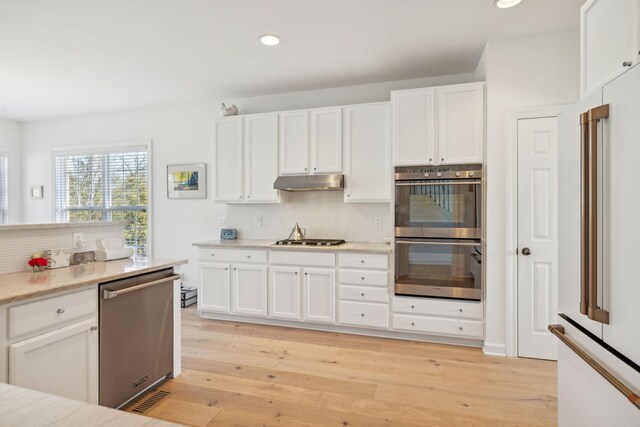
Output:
[[107, 148]]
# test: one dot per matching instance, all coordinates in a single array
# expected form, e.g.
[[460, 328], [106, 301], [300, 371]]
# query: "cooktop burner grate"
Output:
[[311, 242]]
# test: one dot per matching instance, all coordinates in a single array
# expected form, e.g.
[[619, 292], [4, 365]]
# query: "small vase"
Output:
[[38, 268]]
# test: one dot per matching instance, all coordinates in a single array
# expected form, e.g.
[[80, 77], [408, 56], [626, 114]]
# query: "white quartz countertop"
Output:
[[381, 248], [25, 284], [23, 407], [49, 225]]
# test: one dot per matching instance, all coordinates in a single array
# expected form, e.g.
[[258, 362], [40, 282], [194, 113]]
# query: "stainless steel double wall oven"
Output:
[[438, 231]]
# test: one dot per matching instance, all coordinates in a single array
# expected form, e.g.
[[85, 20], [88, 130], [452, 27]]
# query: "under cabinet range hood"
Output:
[[333, 182]]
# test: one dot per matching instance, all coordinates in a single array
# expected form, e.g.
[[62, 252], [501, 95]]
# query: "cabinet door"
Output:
[[326, 140], [608, 41], [228, 160], [460, 123], [414, 127], [367, 168], [284, 293], [249, 290], [294, 142], [319, 295], [261, 160], [213, 292], [62, 362]]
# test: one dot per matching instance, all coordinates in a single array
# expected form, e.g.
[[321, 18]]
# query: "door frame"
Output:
[[511, 289]]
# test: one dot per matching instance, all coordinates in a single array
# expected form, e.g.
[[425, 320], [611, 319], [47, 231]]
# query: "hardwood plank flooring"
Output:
[[240, 374]]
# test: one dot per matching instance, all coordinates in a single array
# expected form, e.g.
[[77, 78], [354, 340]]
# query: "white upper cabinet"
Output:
[[311, 141], [245, 159], [261, 159], [367, 133], [414, 127], [440, 125], [326, 140], [228, 160], [609, 41], [294, 142], [460, 124]]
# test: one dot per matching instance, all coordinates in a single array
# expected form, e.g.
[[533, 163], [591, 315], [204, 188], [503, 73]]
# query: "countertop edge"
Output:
[[86, 282], [359, 247], [50, 225]]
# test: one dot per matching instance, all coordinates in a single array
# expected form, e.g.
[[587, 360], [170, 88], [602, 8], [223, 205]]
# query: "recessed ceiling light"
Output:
[[269, 39], [503, 4]]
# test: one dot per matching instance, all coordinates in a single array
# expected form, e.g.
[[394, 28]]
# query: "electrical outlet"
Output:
[[377, 222], [78, 240], [259, 220], [221, 220]]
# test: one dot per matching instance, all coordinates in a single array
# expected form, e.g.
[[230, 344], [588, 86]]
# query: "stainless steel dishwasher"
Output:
[[136, 335]]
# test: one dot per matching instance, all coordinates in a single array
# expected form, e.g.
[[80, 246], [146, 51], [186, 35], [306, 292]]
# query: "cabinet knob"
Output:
[[442, 159], [306, 169], [213, 254], [413, 306], [460, 327], [248, 196], [296, 273], [60, 310], [362, 294], [226, 269], [305, 274], [627, 63], [94, 328], [460, 310], [362, 314], [362, 278], [430, 159], [234, 268], [348, 195], [362, 261], [248, 256], [239, 197], [413, 324]]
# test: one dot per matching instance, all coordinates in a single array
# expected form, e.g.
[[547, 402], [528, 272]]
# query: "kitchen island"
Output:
[[50, 325]]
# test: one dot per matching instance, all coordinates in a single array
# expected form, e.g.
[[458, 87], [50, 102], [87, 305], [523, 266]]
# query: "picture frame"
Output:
[[187, 181]]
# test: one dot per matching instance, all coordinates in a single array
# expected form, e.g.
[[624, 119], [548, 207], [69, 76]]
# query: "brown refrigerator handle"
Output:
[[584, 213], [593, 310]]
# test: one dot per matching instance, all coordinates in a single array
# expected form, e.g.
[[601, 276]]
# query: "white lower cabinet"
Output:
[[249, 290], [319, 295], [214, 289], [62, 362], [364, 314], [50, 344], [284, 293]]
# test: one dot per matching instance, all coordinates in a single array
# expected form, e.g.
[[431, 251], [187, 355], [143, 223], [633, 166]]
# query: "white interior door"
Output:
[[537, 236]]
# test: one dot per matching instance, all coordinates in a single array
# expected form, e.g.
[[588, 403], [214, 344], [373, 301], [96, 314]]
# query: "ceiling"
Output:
[[64, 57]]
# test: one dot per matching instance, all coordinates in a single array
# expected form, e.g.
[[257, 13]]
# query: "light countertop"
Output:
[[381, 248], [24, 407], [25, 284], [48, 225]]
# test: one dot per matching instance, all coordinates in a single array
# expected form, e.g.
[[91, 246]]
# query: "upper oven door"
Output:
[[447, 208]]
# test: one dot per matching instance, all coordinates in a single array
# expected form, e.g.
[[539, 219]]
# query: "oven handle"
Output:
[[409, 184], [413, 242], [108, 294]]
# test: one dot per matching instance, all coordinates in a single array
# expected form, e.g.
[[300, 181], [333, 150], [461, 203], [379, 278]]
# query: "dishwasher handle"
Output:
[[108, 294]]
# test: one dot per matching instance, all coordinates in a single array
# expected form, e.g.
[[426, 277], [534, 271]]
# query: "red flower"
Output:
[[40, 262]]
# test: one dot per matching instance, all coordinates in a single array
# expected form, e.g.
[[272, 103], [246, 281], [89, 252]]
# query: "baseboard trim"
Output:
[[494, 349]]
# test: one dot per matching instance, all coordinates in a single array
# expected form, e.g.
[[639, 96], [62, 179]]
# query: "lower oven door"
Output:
[[437, 268]]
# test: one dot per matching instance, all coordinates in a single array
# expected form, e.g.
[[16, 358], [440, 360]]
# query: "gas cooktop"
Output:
[[311, 242]]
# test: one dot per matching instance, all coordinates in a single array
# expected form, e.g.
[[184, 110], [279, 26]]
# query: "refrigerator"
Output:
[[599, 257]]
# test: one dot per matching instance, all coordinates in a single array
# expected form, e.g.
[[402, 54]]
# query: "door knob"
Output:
[[526, 251]]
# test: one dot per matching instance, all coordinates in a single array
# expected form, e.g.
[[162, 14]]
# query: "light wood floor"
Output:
[[238, 374]]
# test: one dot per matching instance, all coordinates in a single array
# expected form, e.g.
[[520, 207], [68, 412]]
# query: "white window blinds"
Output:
[[105, 185], [4, 188]]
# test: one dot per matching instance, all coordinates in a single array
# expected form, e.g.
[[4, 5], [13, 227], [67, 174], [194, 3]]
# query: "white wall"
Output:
[[10, 138], [182, 134], [524, 72]]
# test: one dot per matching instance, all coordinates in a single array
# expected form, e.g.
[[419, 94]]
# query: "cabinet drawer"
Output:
[[363, 314], [364, 293], [233, 255], [48, 313], [438, 307], [364, 277], [378, 261], [313, 259], [439, 326]]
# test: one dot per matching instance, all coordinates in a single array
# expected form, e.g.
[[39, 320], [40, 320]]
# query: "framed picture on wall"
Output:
[[187, 181]]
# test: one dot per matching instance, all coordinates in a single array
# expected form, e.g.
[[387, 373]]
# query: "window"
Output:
[[4, 188], [105, 185]]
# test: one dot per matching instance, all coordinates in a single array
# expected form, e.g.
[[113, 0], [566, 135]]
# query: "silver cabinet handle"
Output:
[[108, 293], [60, 310]]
